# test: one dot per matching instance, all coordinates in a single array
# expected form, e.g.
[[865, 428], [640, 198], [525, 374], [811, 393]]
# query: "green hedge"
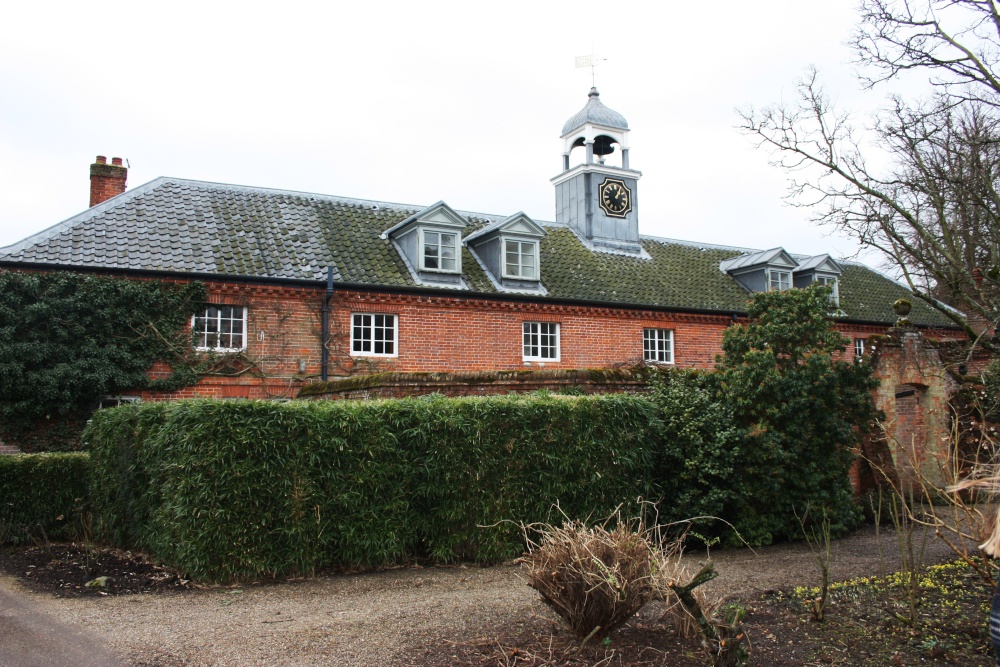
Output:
[[41, 495], [232, 490]]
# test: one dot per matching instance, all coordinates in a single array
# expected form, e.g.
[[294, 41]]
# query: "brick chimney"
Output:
[[106, 180]]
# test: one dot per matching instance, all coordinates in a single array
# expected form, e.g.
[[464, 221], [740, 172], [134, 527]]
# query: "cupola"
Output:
[[594, 197], [597, 129]]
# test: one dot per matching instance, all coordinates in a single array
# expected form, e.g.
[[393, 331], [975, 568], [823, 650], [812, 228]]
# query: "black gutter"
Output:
[[324, 348], [407, 289]]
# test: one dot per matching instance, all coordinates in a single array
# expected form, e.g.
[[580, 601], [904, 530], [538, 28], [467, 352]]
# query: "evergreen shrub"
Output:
[[236, 490], [699, 448], [42, 496], [122, 495], [802, 408], [69, 339]]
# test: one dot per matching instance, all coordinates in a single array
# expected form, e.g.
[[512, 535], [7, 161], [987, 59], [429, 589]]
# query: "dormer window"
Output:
[[509, 252], [430, 242], [440, 251], [520, 259], [821, 269], [778, 280], [831, 282], [764, 271]]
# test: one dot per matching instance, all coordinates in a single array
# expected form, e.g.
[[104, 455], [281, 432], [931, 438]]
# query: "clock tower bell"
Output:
[[595, 198]]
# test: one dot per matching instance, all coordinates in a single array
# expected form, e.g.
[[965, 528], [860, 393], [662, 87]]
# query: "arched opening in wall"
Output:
[[909, 436]]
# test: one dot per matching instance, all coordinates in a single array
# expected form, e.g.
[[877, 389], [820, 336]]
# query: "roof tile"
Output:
[[189, 226]]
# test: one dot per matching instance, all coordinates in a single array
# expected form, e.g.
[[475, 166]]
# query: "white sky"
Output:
[[413, 102]]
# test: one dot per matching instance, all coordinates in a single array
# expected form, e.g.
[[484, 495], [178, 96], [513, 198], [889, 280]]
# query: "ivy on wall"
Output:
[[67, 340]]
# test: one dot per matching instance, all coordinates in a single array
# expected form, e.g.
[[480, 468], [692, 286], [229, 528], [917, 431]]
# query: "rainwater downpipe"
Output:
[[324, 348]]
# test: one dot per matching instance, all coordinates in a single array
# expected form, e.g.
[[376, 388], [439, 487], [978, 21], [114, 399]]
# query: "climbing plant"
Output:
[[68, 339]]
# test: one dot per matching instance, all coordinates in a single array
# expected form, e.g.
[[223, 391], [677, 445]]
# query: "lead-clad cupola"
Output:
[[597, 129], [594, 196]]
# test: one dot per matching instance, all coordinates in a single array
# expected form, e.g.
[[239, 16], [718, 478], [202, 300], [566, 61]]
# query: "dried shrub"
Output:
[[683, 621], [595, 579]]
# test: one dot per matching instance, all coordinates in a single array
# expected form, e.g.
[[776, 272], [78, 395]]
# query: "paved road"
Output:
[[30, 638]]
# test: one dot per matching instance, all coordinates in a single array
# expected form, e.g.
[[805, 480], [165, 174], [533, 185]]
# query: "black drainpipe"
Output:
[[324, 351]]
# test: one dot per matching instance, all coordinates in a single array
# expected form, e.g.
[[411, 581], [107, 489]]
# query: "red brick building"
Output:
[[407, 288]]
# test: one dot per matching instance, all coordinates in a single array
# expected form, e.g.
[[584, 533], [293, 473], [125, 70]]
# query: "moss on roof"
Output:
[[180, 226]]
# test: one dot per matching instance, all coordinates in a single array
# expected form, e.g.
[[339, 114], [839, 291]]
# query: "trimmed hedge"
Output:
[[41, 495], [235, 490]]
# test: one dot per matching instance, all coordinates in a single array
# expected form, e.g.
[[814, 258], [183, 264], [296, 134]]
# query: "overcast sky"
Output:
[[414, 102]]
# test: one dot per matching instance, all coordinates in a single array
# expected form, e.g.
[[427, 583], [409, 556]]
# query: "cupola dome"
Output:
[[595, 113]]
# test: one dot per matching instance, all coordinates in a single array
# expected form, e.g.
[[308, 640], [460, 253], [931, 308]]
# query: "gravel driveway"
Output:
[[391, 617]]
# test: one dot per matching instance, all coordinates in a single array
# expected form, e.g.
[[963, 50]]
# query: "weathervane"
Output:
[[591, 61]]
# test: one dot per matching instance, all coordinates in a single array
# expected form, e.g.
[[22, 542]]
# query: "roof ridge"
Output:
[[235, 187], [697, 244]]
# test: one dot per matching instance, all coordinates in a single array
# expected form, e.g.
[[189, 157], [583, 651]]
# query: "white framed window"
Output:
[[830, 282], [439, 251], [373, 335], [778, 281], [540, 341], [658, 345], [115, 401], [520, 259], [859, 347], [220, 329]]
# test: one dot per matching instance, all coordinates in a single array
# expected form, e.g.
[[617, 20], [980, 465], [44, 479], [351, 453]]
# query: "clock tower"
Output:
[[597, 199]]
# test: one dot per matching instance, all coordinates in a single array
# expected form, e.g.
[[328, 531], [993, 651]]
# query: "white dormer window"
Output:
[[509, 251], [830, 282], [778, 281], [440, 251], [520, 259]]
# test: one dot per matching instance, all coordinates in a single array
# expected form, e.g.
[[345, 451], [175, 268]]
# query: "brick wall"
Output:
[[914, 393], [283, 330], [437, 333]]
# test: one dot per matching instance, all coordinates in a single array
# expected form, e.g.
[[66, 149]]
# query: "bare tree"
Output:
[[932, 208], [954, 41]]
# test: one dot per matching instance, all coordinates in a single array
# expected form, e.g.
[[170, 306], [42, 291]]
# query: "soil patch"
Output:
[[477, 617], [65, 570], [868, 623]]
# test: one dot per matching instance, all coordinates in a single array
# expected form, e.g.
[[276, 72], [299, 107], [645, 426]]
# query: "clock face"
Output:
[[615, 197]]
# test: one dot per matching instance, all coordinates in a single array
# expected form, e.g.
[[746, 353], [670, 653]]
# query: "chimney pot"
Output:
[[106, 180]]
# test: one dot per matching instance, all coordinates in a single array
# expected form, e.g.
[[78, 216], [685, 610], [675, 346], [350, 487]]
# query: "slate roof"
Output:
[[180, 226], [751, 258]]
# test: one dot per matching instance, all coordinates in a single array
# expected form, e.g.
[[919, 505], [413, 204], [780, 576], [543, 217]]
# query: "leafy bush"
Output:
[[122, 495], [67, 339], [700, 446], [227, 490], [41, 495], [801, 412]]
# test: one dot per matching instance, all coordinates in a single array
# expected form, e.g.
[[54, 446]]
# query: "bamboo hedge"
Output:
[[237, 490], [42, 496]]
